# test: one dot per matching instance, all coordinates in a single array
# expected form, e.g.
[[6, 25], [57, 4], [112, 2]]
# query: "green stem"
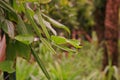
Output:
[[40, 63]]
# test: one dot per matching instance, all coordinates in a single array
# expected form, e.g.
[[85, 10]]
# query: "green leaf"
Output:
[[7, 66], [64, 48], [40, 1], [9, 28], [49, 26], [30, 11], [11, 2], [11, 12], [30, 29], [11, 51], [56, 24], [6, 6], [21, 27], [25, 1], [62, 40], [41, 22], [16, 48], [30, 18], [18, 7], [48, 45], [22, 50], [58, 39], [26, 39], [74, 43], [11, 16], [44, 1]]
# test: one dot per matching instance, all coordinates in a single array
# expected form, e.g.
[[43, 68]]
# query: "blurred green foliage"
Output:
[[74, 14], [84, 65], [99, 3]]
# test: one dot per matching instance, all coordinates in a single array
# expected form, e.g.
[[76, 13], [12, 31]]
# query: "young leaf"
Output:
[[64, 48], [56, 24], [62, 40], [41, 22], [47, 24], [58, 39], [74, 43], [26, 39]]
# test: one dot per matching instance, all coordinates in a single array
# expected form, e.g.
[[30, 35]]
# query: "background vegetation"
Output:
[[56, 35]]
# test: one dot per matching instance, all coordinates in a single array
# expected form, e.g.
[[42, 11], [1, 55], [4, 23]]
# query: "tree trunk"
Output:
[[99, 17], [99, 23], [111, 31]]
